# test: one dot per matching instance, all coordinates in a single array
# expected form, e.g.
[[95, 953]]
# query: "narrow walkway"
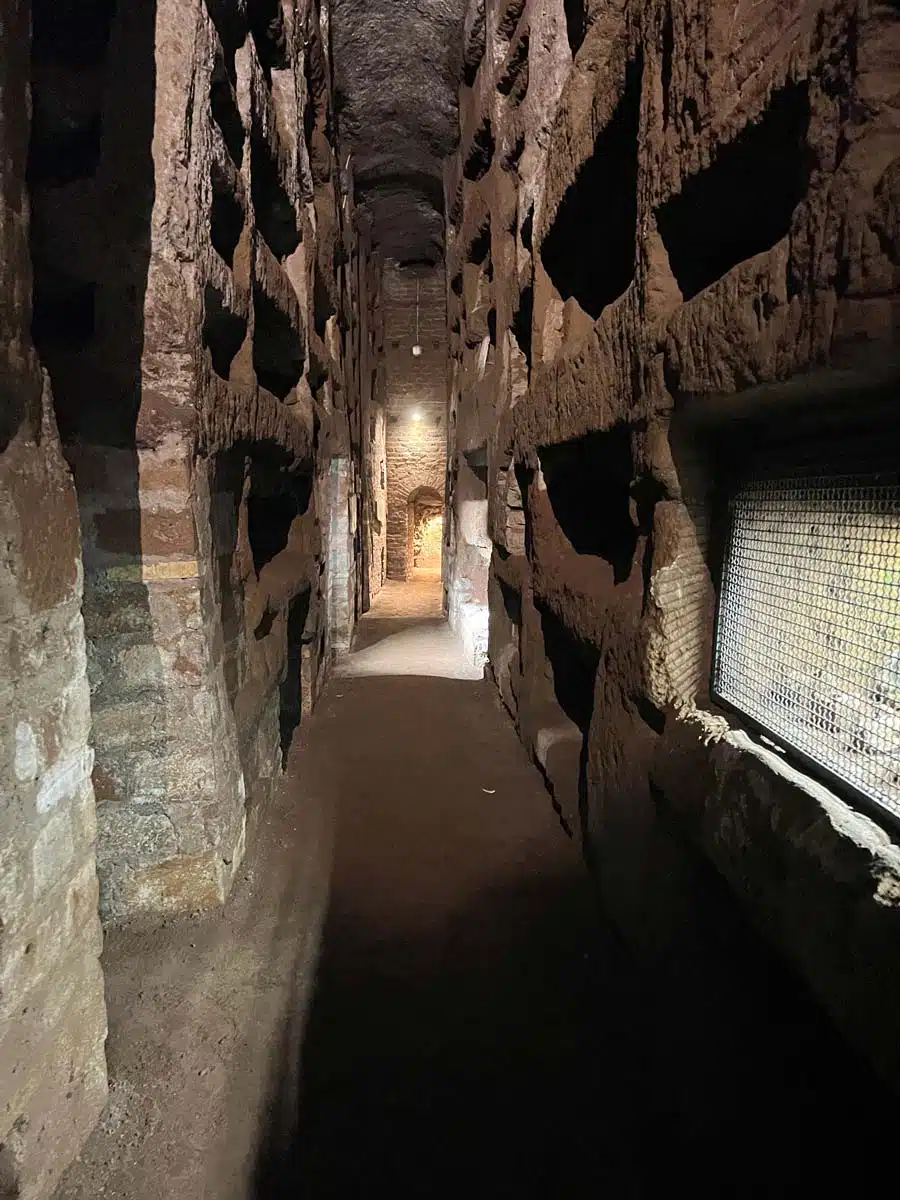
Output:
[[454, 1044], [405, 633], [475, 1028]]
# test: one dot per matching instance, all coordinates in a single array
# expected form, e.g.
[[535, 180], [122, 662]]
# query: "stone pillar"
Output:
[[52, 1011]]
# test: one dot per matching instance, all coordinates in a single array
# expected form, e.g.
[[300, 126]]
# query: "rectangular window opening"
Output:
[[808, 629]]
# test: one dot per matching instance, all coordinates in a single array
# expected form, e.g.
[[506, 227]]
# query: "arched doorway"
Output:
[[425, 532]]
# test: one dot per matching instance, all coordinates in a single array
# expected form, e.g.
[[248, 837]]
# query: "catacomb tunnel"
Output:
[[450, 598]]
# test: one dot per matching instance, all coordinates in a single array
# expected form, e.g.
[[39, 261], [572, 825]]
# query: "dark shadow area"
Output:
[[523, 321], [514, 80], [668, 51], [276, 499], [291, 691], [479, 1030], [275, 216], [93, 78], [481, 153], [64, 310], [589, 252], [223, 331], [588, 477], [226, 216], [576, 23], [266, 20], [278, 349], [475, 47], [574, 664], [225, 111], [510, 17], [226, 489], [480, 249], [742, 204]]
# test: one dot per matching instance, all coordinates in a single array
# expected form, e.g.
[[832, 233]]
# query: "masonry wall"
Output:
[[616, 365], [52, 1010], [415, 400], [193, 289]]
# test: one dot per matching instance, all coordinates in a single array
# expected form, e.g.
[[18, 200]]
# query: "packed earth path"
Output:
[[448, 1013]]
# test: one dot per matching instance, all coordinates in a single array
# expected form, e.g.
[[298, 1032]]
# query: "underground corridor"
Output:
[[449, 598]]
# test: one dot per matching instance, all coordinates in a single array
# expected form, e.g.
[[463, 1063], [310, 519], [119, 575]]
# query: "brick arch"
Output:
[[418, 496]]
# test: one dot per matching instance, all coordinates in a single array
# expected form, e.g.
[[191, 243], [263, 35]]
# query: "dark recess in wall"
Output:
[[226, 218], [230, 23], [589, 252], [223, 332], [589, 487], [63, 308], [510, 18], [65, 150], [73, 32], [275, 216], [291, 692], [742, 204], [323, 306], [527, 230], [576, 23], [225, 111], [474, 51], [512, 602], [668, 51], [276, 499], [481, 245], [514, 80], [481, 153], [523, 320], [278, 350], [574, 664], [266, 20]]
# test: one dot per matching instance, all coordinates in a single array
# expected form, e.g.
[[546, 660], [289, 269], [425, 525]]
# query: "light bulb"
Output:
[[417, 351]]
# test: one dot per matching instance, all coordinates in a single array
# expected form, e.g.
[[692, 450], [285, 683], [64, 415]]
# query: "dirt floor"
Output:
[[474, 1030]]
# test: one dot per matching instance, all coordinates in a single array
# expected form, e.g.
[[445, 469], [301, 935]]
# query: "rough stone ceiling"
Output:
[[397, 67]]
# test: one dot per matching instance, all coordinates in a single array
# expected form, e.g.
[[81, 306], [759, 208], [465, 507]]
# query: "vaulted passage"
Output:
[[449, 625]]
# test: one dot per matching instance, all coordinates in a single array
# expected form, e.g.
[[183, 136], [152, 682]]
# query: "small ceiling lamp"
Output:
[[416, 413], [417, 349]]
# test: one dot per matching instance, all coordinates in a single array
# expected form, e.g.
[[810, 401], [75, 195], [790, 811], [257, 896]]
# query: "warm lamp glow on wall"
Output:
[[416, 414]]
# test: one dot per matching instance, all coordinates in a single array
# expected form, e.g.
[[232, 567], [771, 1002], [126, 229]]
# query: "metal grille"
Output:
[[808, 638]]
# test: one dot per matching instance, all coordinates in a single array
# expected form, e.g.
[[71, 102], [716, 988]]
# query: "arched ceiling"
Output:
[[397, 67]]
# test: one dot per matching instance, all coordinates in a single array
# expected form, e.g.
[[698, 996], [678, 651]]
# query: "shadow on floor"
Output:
[[469, 1059], [372, 630], [477, 1030], [513, 1053]]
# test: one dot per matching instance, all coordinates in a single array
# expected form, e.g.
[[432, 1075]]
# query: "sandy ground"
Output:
[[472, 1028]]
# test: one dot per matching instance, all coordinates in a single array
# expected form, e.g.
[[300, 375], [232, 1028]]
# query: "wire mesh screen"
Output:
[[808, 635]]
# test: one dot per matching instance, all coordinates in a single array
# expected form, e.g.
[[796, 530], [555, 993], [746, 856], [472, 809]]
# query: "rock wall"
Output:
[[195, 275], [52, 1010], [415, 408], [672, 253]]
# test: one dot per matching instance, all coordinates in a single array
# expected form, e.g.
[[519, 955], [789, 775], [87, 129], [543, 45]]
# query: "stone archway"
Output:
[[425, 532]]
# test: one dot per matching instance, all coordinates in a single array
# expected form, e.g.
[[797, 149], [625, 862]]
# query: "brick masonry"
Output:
[[416, 431], [52, 1010]]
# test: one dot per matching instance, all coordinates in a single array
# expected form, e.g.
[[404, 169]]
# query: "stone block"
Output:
[[53, 851], [180, 884]]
